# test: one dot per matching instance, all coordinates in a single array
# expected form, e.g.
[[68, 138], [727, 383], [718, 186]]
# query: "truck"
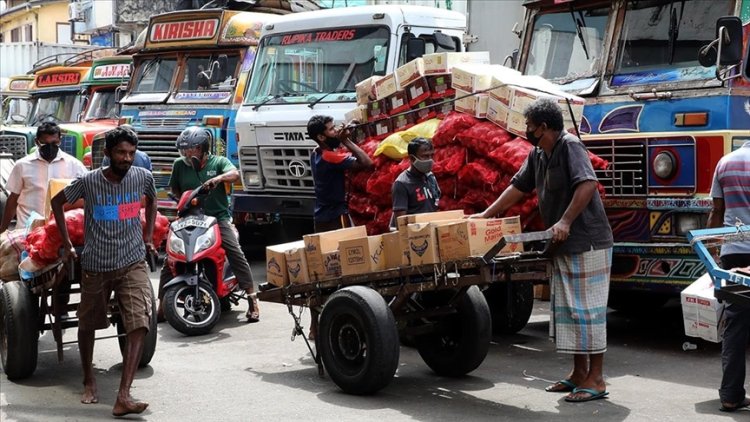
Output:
[[654, 111], [190, 71], [307, 64], [15, 104]]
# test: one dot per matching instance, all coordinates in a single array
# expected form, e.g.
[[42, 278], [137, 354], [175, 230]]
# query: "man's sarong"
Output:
[[578, 302]]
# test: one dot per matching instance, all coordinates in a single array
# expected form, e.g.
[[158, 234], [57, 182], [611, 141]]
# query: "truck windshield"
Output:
[[154, 75], [304, 66], [60, 108], [103, 106], [660, 39], [568, 46], [15, 110], [210, 72]]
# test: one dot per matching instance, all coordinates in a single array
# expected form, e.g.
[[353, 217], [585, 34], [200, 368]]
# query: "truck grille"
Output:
[[69, 144], [249, 164], [97, 152], [160, 147], [287, 168], [626, 175], [14, 144], [166, 122]]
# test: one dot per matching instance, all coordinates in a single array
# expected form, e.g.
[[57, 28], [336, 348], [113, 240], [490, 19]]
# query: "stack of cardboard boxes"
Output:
[[421, 239]]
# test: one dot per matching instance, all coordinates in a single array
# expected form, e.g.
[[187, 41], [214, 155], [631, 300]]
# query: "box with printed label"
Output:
[[417, 91], [403, 221], [502, 84], [701, 312], [523, 97], [402, 122], [410, 72], [321, 251], [377, 110], [296, 265], [363, 255], [386, 86], [276, 267], [366, 90], [422, 111], [440, 86], [392, 247], [444, 62], [358, 114], [397, 103], [497, 113], [473, 104], [380, 129], [442, 107], [476, 237], [423, 242], [54, 186], [473, 77]]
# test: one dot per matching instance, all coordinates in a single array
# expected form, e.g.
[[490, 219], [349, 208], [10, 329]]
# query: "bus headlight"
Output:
[[664, 165]]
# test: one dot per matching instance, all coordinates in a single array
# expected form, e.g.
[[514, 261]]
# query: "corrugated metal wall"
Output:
[[18, 58], [492, 22]]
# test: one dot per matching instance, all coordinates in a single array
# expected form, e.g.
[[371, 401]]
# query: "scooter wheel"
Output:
[[192, 313]]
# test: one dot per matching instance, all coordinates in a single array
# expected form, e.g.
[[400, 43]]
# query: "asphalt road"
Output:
[[253, 372]]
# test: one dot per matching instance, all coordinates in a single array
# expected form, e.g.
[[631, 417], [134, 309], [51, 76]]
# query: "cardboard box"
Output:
[[523, 97], [321, 251], [380, 129], [473, 77], [54, 186], [417, 91], [473, 104], [296, 265], [397, 103], [403, 221], [512, 120], [386, 86], [701, 311], [410, 72], [358, 114], [402, 122], [476, 237], [360, 133], [502, 84], [377, 110], [423, 242], [393, 252], [444, 62], [363, 255], [422, 111], [366, 90], [440, 86], [276, 268], [441, 109], [497, 112]]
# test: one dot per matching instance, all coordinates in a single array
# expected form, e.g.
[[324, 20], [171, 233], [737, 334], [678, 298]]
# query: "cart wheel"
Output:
[[19, 333], [190, 315], [461, 340], [149, 342], [358, 340], [511, 305]]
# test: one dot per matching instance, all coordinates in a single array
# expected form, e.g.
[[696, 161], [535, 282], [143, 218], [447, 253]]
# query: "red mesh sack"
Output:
[[448, 160], [451, 125]]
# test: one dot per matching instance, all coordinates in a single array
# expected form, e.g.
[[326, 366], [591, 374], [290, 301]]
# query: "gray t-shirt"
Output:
[[415, 193], [113, 237], [555, 179]]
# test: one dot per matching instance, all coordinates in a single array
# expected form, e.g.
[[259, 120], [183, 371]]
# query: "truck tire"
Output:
[[149, 342], [19, 331], [358, 340], [511, 305], [461, 340], [190, 316]]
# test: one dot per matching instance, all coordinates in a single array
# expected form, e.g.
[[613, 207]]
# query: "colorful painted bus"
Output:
[[15, 103], [659, 117]]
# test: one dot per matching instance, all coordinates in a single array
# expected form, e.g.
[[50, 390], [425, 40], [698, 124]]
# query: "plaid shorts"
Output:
[[133, 292]]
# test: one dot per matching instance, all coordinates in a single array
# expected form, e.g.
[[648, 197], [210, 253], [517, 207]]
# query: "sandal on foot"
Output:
[[562, 386], [731, 407], [591, 395], [252, 314]]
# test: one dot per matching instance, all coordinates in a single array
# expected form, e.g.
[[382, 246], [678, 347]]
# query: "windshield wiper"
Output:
[[262, 103], [674, 28], [317, 100], [579, 30]]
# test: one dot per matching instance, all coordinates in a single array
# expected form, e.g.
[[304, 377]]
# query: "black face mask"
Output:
[[333, 143], [48, 152], [533, 139]]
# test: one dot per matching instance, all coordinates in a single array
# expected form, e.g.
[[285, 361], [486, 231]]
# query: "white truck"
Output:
[[307, 64]]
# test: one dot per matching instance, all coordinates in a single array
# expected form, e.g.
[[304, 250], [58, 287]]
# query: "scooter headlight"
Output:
[[205, 241], [175, 244]]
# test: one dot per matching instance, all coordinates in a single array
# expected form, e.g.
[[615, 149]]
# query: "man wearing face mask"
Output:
[[560, 171], [29, 178], [416, 190], [329, 166]]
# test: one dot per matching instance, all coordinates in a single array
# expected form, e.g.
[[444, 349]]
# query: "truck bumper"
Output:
[[270, 204], [664, 267]]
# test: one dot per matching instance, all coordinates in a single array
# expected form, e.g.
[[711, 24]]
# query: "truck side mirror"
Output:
[[415, 48], [726, 49]]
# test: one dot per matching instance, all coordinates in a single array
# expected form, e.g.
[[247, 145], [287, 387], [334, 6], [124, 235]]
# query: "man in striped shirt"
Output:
[[113, 258], [731, 203]]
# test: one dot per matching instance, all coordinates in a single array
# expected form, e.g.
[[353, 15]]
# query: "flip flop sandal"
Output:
[[729, 407], [592, 395], [252, 314], [562, 386]]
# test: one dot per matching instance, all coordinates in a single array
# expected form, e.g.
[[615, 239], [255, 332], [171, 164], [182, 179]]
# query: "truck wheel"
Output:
[[149, 342], [636, 302], [511, 305], [358, 340], [191, 315], [461, 340], [19, 333]]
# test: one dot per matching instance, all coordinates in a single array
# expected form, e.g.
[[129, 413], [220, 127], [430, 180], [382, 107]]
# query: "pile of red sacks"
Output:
[[43, 243], [474, 162]]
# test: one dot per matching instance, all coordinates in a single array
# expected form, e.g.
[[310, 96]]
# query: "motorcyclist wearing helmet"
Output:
[[197, 167]]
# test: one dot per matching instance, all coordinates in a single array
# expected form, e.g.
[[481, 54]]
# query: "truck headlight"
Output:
[[175, 244], [252, 178], [687, 222], [664, 165]]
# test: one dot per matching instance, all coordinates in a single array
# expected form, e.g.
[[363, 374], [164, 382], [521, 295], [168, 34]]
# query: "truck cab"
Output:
[[16, 102], [307, 64]]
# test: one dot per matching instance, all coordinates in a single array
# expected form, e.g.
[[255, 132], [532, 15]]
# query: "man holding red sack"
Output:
[[560, 171], [113, 258]]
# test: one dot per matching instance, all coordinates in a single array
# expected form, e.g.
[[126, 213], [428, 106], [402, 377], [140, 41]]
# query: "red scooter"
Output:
[[203, 285]]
